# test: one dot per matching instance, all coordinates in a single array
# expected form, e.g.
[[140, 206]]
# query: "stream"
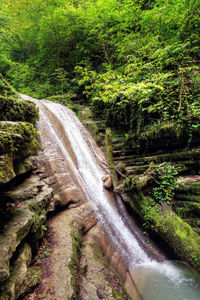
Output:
[[74, 153]]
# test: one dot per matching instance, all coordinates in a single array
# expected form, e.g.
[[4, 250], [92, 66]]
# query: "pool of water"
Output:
[[167, 281]]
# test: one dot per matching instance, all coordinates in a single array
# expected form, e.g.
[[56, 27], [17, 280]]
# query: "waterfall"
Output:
[[67, 142], [89, 169]]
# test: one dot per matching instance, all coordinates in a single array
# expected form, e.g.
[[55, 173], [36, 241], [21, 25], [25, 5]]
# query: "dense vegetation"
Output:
[[135, 62]]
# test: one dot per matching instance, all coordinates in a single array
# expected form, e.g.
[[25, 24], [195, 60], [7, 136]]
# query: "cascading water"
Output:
[[164, 280]]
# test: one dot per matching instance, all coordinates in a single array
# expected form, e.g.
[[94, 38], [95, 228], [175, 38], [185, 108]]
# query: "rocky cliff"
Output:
[[24, 196], [159, 180]]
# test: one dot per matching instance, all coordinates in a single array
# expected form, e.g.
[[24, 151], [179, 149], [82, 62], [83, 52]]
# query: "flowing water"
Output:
[[66, 141]]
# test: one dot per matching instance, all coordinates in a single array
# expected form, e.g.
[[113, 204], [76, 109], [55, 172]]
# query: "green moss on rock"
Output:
[[22, 277], [178, 234], [6, 168], [18, 138], [189, 188], [74, 262], [12, 109], [17, 134], [17, 142]]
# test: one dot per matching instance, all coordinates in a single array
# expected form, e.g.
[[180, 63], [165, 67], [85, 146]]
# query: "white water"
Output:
[[165, 280], [89, 174]]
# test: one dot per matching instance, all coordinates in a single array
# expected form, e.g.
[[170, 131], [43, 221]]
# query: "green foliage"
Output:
[[39, 220], [6, 90], [136, 62], [165, 184]]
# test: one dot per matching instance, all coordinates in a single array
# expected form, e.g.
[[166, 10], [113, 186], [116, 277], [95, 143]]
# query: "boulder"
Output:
[[22, 277], [107, 181], [7, 172], [13, 232], [34, 191]]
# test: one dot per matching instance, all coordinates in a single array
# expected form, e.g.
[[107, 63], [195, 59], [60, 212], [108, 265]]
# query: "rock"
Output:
[[28, 189], [6, 169], [32, 188], [89, 222], [107, 182], [13, 232], [94, 284], [125, 198], [56, 200], [22, 277], [44, 197], [70, 194], [23, 166], [61, 253]]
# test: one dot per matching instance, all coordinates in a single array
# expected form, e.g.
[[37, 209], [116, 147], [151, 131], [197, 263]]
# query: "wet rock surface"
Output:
[[22, 277], [75, 267], [23, 213], [13, 232]]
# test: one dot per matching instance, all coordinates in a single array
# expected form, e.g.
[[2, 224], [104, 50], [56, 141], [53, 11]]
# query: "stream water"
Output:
[[82, 160]]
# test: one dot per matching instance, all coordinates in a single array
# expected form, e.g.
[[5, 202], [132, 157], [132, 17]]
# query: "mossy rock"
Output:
[[74, 262], [187, 209], [13, 231], [22, 166], [6, 168], [22, 277], [178, 234], [12, 109], [18, 138], [162, 136], [17, 134], [17, 142], [189, 188]]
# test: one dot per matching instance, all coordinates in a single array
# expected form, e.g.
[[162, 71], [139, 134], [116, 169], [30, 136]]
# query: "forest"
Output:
[[135, 62]]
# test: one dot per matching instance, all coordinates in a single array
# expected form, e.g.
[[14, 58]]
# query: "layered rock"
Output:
[[17, 133], [22, 221], [22, 277], [159, 179], [23, 206]]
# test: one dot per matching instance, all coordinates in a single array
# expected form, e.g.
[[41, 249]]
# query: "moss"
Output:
[[34, 274], [118, 290], [187, 197], [17, 110], [12, 109], [39, 220], [6, 167], [167, 157], [187, 209], [18, 138], [189, 188], [161, 135], [74, 262], [22, 277], [178, 234]]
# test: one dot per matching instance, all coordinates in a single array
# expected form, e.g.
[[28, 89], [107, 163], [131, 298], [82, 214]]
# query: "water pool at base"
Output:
[[167, 281]]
